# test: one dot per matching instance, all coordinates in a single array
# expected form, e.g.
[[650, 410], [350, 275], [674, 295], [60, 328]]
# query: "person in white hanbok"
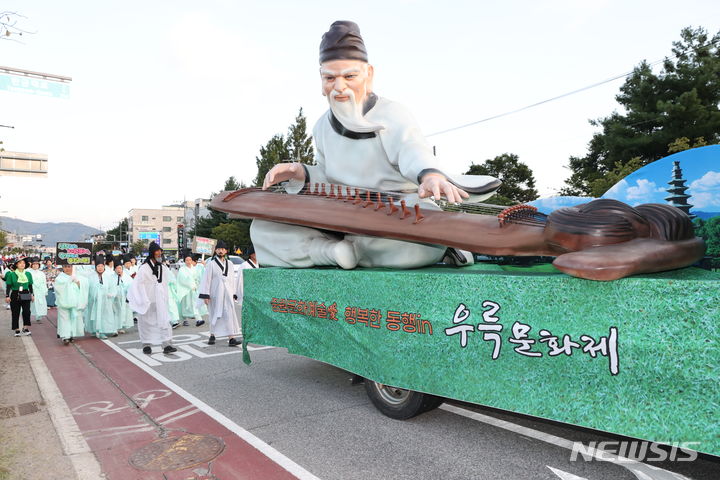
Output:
[[218, 290], [38, 307], [148, 296]]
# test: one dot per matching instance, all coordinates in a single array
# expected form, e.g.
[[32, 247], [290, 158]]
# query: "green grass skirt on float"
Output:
[[638, 356]]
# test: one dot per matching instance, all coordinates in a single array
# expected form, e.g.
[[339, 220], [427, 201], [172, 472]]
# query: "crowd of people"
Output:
[[115, 294]]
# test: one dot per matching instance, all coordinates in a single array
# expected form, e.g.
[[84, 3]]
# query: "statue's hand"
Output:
[[282, 172], [436, 185]]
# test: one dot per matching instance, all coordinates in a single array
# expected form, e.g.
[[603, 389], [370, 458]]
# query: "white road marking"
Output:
[[642, 471], [564, 475], [263, 447]]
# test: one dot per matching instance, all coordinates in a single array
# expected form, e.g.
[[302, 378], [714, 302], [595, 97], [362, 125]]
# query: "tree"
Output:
[[274, 152], [680, 101], [683, 143], [233, 234], [518, 179], [709, 230], [599, 186], [3, 239], [299, 143], [217, 225], [120, 232], [138, 247], [296, 147], [232, 184]]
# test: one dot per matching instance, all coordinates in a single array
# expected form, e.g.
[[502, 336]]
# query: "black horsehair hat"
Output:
[[342, 42]]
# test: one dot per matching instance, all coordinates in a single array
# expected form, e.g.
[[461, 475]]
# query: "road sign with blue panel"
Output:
[[34, 86]]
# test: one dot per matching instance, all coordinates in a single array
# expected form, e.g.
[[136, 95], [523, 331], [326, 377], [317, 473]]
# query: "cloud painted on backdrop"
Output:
[[649, 184]]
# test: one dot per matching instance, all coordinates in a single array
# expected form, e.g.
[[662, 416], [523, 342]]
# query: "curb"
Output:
[[74, 446]]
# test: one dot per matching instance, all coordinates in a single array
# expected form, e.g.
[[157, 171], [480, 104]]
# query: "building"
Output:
[[158, 224], [678, 198], [193, 210]]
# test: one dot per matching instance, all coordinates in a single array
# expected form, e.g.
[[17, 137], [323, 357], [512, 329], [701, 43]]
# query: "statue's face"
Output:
[[339, 76]]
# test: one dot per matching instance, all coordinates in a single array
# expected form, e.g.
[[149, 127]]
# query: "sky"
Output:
[[170, 98]]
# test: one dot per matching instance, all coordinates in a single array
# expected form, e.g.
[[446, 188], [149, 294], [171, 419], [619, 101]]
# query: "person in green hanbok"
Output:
[[121, 308], [99, 315], [38, 307], [187, 285], [72, 291]]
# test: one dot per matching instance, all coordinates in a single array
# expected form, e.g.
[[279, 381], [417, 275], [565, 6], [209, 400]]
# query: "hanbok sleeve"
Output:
[[137, 294], [206, 283]]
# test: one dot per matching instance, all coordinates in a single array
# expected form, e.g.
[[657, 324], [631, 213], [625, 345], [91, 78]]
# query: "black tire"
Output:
[[399, 403]]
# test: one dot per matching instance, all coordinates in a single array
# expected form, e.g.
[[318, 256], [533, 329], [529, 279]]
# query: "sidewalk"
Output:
[[106, 416], [31, 448]]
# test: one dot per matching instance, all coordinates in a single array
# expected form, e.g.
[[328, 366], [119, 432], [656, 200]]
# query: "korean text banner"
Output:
[[638, 356], [74, 253]]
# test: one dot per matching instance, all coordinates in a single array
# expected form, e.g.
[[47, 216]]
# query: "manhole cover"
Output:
[[177, 453]]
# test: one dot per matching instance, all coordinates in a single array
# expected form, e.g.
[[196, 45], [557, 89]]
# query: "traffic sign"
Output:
[[34, 86]]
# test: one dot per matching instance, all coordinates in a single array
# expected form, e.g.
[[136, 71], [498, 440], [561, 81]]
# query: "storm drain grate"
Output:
[[177, 453]]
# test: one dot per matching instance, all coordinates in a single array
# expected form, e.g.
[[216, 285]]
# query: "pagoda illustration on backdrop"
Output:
[[678, 198]]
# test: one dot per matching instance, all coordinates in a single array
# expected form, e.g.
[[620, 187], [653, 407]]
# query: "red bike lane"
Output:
[[139, 427]]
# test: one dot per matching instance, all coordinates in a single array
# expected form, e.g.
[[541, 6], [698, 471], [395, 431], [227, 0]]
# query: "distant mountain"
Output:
[[51, 232], [705, 215]]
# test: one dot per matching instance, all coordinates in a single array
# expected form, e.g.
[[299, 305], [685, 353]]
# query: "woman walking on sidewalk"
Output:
[[19, 294]]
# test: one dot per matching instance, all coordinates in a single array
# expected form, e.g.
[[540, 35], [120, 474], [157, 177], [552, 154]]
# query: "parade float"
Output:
[[636, 356], [617, 332]]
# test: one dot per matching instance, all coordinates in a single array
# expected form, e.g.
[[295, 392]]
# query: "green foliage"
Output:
[[233, 233], [120, 232], [232, 184], [518, 179], [296, 147], [138, 247], [683, 143], [3, 239], [599, 186], [274, 152], [709, 230], [680, 101], [299, 143]]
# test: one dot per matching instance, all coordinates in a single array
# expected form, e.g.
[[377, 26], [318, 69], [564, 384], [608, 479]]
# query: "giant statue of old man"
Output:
[[363, 141]]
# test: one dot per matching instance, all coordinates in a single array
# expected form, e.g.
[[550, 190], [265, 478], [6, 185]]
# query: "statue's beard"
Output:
[[349, 113]]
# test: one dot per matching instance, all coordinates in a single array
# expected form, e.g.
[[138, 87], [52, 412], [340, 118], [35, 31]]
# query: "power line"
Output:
[[573, 92]]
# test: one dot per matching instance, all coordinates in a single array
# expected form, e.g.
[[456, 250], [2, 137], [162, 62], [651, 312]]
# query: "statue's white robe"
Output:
[[391, 161]]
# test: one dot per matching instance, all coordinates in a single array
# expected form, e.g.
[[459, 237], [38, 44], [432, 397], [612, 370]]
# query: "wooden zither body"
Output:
[[601, 240]]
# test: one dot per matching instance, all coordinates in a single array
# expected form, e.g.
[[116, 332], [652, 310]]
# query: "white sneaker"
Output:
[[26, 332], [344, 253]]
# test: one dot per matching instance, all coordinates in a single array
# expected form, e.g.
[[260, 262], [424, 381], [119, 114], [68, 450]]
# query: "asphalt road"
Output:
[[310, 412]]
